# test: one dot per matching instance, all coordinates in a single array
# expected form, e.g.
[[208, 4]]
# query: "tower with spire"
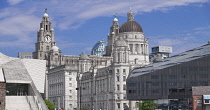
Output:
[[101, 76], [45, 39], [112, 36], [130, 15]]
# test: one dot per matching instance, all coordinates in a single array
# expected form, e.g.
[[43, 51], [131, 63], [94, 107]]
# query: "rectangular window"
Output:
[[124, 70], [118, 78], [206, 101], [69, 73], [124, 96], [110, 71], [118, 87], [124, 78], [118, 70], [118, 105], [69, 79], [70, 84], [124, 87]]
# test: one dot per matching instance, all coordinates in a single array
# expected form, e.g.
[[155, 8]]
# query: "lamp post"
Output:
[[80, 96], [80, 88]]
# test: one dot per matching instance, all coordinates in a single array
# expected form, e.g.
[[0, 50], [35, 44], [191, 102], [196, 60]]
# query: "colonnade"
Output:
[[138, 48]]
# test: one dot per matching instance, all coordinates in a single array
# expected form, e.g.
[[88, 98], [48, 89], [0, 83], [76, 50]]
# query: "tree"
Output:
[[50, 105], [147, 105]]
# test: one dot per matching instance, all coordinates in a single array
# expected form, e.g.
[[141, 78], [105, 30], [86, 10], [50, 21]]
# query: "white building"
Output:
[[62, 86], [160, 53], [101, 81], [105, 87]]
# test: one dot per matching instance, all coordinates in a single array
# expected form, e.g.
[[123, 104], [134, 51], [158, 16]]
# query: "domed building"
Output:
[[132, 33], [99, 48], [99, 78]]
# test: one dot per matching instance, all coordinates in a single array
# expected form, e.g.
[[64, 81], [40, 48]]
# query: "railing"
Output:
[[28, 102], [39, 99], [37, 103]]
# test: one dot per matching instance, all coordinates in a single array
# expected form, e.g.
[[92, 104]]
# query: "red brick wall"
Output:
[[196, 100], [2, 95]]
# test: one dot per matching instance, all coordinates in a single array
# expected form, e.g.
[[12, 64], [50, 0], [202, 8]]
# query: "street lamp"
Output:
[[80, 91], [80, 96]]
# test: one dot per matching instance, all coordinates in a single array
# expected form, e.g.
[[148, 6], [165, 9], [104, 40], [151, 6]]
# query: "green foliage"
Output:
[[147, 105], [50, 105]]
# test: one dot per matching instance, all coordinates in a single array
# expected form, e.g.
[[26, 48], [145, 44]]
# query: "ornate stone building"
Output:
[[101, 81], [105, 87]]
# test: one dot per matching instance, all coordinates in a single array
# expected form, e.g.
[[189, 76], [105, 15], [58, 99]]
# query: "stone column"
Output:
[[147, 50], [138, 50], [133, 48]]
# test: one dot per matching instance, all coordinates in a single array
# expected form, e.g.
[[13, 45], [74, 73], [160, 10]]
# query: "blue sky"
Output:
[[79, 24]]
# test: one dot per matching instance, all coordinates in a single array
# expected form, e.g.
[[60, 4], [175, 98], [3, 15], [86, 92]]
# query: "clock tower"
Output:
[[45, 39]]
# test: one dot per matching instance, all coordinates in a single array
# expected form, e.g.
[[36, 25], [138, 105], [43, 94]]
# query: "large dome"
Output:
[[131, 26]]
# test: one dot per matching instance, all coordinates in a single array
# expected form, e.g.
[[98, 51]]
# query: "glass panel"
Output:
[[17, 89]]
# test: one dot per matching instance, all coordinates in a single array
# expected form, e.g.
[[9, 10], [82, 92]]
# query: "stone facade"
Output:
[[104, 87], [62, 86], [2, 95], [101, 81]]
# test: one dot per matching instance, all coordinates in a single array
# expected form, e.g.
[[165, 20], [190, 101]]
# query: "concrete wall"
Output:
[[2, 95]]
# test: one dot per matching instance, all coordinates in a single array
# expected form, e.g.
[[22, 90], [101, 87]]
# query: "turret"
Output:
[[120, 52], [84, 63], [112, 36]]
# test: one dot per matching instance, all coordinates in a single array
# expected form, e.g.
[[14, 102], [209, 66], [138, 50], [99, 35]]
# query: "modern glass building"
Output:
[[171, 78], [99, 48]]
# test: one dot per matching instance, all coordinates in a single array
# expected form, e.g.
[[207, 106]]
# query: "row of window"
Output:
[[118, 87], [118, 78], [56, 89], [135, 36], [124, 105], [118, 70], [118, 96]]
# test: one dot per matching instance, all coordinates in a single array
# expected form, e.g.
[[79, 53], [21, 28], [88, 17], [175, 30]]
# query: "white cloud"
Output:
[[20, 21], [18, 30], [14, 2], [184, 41], [202, 28], [72, 13]]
